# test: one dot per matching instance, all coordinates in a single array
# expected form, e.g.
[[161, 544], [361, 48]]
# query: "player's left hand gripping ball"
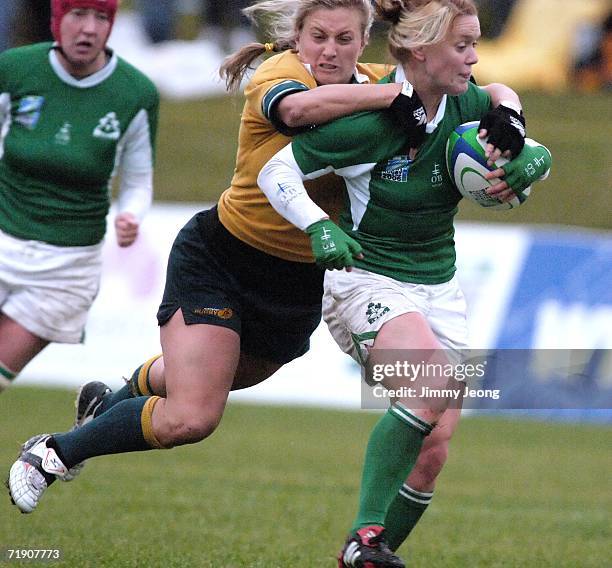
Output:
[[532, 164], [505, 130], [332, 248]]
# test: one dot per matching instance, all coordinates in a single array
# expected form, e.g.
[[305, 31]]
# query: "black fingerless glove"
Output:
[[506, 129], [410, 112]]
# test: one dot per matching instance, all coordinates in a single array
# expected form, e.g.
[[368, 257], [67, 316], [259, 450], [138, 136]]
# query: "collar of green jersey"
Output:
[[89, 81]]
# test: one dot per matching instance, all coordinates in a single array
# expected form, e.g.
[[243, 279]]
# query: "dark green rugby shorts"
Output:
[[216, 279]]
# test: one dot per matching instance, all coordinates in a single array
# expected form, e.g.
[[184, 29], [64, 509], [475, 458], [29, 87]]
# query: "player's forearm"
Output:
[[135, 193], [500, 93], [281, 180], [136, 167], [328, 102]]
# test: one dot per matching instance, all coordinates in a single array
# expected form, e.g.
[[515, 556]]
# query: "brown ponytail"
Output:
[[236, 65]]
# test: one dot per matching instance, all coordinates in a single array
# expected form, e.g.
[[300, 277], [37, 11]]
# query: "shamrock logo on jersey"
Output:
[[108, 127], [375, 311]]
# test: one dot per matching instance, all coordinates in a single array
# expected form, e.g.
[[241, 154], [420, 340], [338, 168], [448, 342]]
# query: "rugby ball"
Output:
[[467, 166]]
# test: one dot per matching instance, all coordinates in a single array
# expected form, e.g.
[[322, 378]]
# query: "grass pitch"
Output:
[[277, 487]]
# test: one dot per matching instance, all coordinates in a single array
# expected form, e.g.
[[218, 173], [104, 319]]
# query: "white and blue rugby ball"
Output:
[[467, 166]]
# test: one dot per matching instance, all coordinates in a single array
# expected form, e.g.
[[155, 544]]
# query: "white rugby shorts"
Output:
[[356, 304], [49, 289]]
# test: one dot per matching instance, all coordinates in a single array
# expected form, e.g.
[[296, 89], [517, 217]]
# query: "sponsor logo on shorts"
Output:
[[376, 311], [221, 313]]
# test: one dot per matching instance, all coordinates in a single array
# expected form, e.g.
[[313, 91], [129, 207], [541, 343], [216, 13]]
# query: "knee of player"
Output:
[[190, 429], [186, 426]]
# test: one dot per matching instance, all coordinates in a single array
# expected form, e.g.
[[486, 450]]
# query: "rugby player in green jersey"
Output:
[[395, 238], [72, 113]]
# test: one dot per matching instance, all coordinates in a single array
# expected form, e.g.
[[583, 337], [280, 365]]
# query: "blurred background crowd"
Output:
[[27, 21], [561, 42]]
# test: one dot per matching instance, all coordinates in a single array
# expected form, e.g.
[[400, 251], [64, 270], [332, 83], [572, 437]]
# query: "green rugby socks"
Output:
[[404, 513], [6, 376], [392, 451]]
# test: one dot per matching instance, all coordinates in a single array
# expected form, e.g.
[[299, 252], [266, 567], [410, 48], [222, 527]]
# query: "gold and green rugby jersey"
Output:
[[400, 211], [243, 208], [61, 140]]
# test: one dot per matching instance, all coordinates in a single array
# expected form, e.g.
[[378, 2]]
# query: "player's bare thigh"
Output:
[[18, 346], [200, 362], [409, 336], [251, 371]]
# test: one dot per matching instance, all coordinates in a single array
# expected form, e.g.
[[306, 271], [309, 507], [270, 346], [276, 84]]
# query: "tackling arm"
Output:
[[328, 102]]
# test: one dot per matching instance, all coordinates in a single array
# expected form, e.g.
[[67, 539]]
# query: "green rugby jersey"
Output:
[[62, 140], [400, 211]]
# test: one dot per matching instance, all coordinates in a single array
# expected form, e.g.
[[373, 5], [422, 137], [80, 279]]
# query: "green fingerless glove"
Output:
[[531, 165], [332, 248]]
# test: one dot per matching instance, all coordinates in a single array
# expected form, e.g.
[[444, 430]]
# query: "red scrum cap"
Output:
[[59, 8]]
